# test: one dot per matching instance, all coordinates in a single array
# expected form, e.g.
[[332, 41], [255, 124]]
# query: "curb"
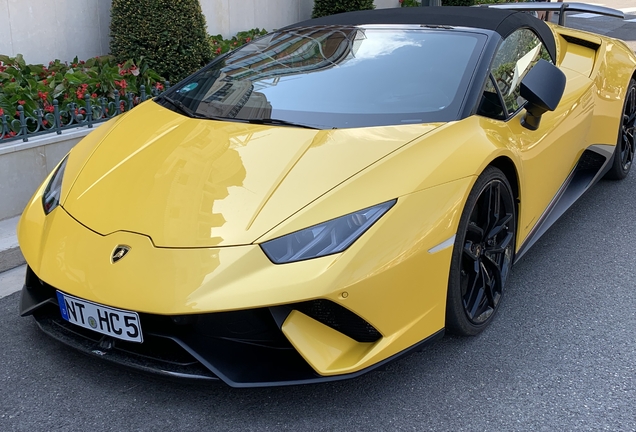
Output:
[[11, 258], [10, 254]]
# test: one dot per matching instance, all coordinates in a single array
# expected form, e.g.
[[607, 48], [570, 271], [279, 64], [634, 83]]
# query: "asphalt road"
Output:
[[560, 355]]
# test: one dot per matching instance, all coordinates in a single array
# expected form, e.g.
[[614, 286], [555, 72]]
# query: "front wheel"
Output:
[[482, 255], [626, 143]]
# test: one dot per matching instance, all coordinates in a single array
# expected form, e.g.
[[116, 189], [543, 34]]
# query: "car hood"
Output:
[[199, 183]]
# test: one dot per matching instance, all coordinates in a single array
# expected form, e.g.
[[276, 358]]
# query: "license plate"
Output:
[[113, 322]]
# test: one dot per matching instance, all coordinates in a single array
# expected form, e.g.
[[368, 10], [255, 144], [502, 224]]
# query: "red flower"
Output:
[[21, 102], [1, 112], [45, 122], [122, 72], [52, 73], [97, 85], [159, 86], [218, 50], [11, 134], [45, 82], [94, 95], [49, 108], [248, 39]]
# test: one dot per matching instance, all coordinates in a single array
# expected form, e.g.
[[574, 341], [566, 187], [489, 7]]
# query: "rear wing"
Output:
[[562, 8]]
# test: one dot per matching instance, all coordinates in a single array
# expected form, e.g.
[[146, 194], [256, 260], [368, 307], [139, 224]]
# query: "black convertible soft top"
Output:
[[501, 21]]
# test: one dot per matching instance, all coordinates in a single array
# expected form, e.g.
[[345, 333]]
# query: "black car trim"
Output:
[[594, 162], [481, 75]]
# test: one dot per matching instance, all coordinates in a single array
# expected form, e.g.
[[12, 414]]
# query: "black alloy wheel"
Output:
[[482, 255], [626, 144]]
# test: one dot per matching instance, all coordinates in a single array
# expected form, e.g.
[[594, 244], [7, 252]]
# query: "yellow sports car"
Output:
[[328, 197]]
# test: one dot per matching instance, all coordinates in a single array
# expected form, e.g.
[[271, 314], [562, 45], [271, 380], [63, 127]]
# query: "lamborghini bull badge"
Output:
[[119, 252]]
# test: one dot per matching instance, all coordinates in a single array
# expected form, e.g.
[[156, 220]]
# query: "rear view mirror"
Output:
[[543, 88]]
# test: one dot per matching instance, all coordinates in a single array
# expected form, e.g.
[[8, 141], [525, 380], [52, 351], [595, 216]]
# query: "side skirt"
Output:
[[595, 161]]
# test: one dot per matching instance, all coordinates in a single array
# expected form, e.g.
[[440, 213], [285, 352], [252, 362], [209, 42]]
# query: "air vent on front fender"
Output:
[[339, 318]]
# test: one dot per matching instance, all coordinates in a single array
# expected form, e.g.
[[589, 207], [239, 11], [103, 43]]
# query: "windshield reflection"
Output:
[[330, 76]]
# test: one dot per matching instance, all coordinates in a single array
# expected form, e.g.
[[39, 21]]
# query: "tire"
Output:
[[482, 255], [625, 144]]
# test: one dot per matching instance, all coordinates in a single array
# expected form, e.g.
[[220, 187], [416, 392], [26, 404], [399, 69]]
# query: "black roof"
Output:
[[501, 21]]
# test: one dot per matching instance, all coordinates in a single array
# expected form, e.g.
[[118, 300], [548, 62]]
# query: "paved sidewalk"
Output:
[[10, 255]]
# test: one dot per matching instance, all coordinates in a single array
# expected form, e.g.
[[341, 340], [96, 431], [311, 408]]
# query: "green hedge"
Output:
[[331, 7], [169, 34], [36, 86]]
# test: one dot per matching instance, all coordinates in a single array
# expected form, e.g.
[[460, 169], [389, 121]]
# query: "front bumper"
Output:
[[244, 348], [393, 280]]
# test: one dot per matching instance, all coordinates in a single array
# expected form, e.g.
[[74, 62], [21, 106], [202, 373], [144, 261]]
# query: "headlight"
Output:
[[326, 238], [51, 197]]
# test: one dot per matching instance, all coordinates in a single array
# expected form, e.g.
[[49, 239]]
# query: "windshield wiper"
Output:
[[278, 122], [181, 107]]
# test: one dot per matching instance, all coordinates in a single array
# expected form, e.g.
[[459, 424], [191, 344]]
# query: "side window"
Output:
[[518, 53]]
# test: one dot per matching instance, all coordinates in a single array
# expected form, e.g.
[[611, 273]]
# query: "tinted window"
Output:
[[339, 77], [517, 54]]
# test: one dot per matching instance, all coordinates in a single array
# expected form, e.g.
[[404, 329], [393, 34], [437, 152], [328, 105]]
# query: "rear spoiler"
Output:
[[562, 8]]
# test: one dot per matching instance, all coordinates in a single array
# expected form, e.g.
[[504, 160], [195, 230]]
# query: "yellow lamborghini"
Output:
[[328, 197]]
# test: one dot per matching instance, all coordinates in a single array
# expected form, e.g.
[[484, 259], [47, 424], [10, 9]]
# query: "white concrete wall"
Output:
[[228, 17], [25, 165], [43, 30]]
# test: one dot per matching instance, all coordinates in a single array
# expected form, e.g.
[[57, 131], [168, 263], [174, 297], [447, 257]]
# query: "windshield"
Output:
[[337, 77]]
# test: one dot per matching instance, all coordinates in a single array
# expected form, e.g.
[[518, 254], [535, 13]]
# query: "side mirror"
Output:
[[543, 88]]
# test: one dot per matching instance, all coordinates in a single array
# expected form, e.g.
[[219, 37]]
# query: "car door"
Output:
[[549, 153]]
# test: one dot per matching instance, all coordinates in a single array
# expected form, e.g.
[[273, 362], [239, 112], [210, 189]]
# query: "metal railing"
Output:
[[56, 120]]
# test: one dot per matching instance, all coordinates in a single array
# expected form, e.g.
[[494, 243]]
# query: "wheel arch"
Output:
[[507, 166], [509, 169]]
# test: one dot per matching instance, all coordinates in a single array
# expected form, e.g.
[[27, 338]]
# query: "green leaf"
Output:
[[59, 89]]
